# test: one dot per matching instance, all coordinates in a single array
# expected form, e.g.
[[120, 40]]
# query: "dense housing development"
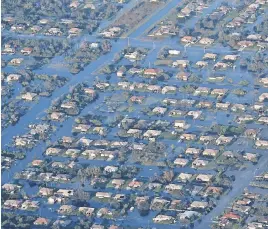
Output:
[[134, 114]]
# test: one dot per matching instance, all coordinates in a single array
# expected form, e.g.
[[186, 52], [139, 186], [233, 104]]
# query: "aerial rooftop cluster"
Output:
[[134, 114]]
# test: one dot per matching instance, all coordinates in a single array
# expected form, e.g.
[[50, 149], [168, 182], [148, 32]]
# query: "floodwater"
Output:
[[194, 54]]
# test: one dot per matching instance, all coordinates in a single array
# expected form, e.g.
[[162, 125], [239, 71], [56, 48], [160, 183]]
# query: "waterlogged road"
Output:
[[38, 110], [243, 178]]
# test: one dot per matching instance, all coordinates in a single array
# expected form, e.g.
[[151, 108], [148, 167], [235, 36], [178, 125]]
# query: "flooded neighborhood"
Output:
[[134, 114]]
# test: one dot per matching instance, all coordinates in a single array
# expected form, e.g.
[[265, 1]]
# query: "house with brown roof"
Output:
[[188, 39], [152, 72], [41, 221], [231, 216]]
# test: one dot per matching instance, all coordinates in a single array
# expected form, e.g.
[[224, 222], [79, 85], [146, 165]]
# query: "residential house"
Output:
[[184, 76], [231, 216], [90, 91], [12, 204], [210, 56], [102, 195], [86, 211], [181, 162], [45, 191], [75, 31], [159, 110], [188, 137], [238, 107], [27, 51], [53, 151], [250, 157], [181, 124], [173, 187], [111, 169], [228, 154], [221, 65], [117, 183], [188, 215], [245, 44], [163, 218], [8, 50], [194, 114], [66, 209], [13, 77], [188, 39], [168, 89], [37, 163], [251, 133], [11, 188], [204, 177], [206, 41], [29, 96], [154, 88], [56, 116], [54, 32], [199, 205], [120, 197], [152, 72], [181, 63], [202, 90], [197, 163], [65, 192], [174, 52], [219, 92], [68, 105], [135, 184], [263, 97], [245, 118], [205, 104], [223, 140], [104, 212], [16, 61], [210, 152], [263, 120], [30, 205], [184, 177], [230, 57], [201, 64], [212, 190], [41, 222], [192, 151]]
